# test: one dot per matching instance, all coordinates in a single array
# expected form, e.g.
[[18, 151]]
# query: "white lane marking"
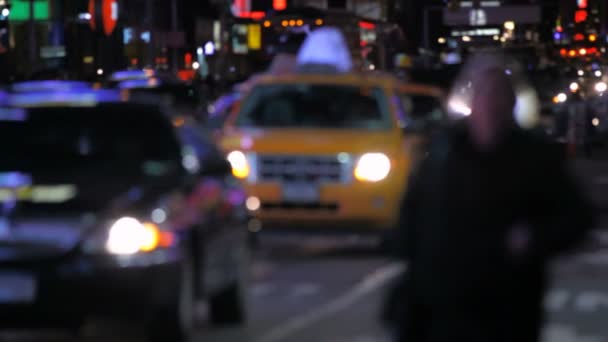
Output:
[[372, 282], [556, 300], [591, 301], [305, 290], [262, 290], [564, 333], [596, 258], [261, 269]]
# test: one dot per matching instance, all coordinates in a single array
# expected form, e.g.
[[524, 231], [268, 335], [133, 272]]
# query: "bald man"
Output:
[[482, 216]]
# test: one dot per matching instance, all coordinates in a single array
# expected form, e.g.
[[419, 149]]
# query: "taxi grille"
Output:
[[290, 168]]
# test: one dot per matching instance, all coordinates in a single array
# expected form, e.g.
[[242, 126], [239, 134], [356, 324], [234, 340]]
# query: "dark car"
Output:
[[109, 209]]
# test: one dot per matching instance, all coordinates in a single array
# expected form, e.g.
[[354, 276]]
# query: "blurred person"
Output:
[[483, 214]]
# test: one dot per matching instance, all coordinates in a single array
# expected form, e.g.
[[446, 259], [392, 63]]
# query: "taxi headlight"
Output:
[[239, 163], [129, 236], [372, 167]]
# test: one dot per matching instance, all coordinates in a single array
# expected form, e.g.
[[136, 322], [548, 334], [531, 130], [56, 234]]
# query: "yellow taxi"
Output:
[[326, 152]]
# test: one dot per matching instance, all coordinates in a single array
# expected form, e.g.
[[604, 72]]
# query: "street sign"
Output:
[[109, 15], [254, 36], [478, 17], [20, 10], [105, 11]]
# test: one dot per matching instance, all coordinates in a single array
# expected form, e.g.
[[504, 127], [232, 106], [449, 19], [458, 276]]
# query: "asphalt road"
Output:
[[324, 291], [333, 295]]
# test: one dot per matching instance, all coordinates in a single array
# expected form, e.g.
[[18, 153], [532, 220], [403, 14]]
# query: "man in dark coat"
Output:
[[482, 216]]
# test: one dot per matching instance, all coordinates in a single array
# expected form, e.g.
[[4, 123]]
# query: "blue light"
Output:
[[36, 86], [12, 114], [557, 36], [209, 48], [15, 179], [127, 35], [139, 84], [131, 75], [146, 36], [67, 99]]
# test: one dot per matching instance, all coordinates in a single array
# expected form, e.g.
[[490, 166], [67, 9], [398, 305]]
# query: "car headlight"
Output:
[[239, 163], [129, 236], [560, 98], [601, 87], [574, 87], [372, 167], [459, 106]]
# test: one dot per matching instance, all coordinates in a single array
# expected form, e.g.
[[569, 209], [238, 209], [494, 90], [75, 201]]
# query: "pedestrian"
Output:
[[483, 214]]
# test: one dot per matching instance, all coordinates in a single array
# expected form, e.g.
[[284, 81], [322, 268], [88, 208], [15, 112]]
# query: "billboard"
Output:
[[492, 16]]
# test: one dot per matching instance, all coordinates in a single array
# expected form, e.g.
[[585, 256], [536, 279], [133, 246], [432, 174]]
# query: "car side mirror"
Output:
[[216, 167]]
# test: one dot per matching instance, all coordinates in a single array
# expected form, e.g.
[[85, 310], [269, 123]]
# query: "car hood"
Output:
[[312, 141]]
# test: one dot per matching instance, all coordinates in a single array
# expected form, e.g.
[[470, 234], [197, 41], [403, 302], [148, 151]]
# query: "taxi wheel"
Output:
[[177, 323]]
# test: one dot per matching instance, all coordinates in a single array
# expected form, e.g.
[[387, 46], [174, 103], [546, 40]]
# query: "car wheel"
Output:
[[177, 322], [228, 307]]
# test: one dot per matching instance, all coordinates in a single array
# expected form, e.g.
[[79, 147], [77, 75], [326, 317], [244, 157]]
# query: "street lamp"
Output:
[[510, 25]]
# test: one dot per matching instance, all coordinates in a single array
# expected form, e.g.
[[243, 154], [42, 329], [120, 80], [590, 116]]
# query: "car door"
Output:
[[221, 232]]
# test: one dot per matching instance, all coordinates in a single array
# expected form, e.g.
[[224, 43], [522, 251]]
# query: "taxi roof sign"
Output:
[[326, 46]]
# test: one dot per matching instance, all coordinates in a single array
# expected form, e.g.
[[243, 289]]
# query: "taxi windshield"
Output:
[[316, 106], [60, 138]]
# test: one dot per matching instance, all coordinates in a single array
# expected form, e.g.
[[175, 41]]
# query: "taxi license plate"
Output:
[[17, 288], [300, 193]]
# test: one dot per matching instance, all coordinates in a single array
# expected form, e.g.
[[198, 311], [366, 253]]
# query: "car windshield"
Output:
[[103, 138], [318, 106]]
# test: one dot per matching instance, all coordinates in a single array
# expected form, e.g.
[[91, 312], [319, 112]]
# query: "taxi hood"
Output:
[[312, 141]]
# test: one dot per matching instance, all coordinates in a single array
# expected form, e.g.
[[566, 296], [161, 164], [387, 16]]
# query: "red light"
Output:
[[366, 25], [240, 6], [188, 59], [279, 5], [363, 43], [580, 16], [582, 3], [253, 15], [591, 50], [559, 29], [582, 52], [579, 37], [563, 52], [257, 15], [186, 75]]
